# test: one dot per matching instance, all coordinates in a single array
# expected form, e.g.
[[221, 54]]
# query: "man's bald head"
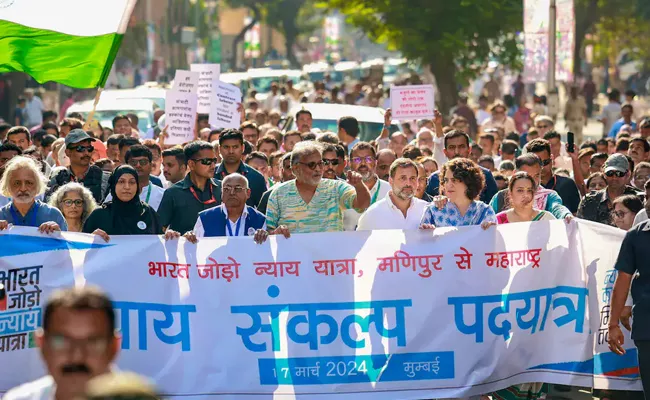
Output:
[[235, 179], [425, 138]]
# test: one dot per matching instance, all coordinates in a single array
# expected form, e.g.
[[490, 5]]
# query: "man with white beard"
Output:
[[399, 209], [363, 160], [22, 181]]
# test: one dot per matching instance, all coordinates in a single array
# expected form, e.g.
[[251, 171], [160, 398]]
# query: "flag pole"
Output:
[[91, 114]]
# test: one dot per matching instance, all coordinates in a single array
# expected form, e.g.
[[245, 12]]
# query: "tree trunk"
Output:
[[289, 41], [17, 81], [444, 70], [240, 36], [585, 19], [289, 21]]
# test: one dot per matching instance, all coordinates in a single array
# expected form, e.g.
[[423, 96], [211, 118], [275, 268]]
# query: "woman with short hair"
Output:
[[462, 181], [75, 202]]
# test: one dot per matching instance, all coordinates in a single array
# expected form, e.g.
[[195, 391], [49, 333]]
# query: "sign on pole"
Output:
[[412, 102], [223, 112], [180, 116], [186, 81], [207, 74]]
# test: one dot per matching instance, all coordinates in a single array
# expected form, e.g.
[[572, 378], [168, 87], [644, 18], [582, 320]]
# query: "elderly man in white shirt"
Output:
[[400, 209]]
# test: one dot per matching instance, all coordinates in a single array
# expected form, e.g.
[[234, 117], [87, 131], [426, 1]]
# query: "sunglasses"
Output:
[[312, 165], [135, 163], [359, 160], [617, 174], [546, 162], [333, 161], [81, 149], [70, 203], [205, 161]]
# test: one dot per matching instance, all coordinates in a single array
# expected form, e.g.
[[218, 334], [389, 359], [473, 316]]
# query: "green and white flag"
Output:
[[73, 42]]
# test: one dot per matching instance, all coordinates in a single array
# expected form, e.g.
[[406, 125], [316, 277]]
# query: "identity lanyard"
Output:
[[236, 227], [148, 193], [212, 199], [16, 218], [374, 196]]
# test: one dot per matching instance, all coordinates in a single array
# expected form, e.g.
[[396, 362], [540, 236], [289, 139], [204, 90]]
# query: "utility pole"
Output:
[[552, 97]]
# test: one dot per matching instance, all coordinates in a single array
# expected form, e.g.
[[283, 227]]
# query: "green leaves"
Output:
[[462, 30]]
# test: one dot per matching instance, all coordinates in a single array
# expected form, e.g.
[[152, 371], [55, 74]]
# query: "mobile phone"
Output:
[[571, 142]]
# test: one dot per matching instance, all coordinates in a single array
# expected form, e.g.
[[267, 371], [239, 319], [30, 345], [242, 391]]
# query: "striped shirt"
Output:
[[324, 213]]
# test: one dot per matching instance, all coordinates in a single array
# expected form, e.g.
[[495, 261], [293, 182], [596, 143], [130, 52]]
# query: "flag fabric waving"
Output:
[[73, 42]]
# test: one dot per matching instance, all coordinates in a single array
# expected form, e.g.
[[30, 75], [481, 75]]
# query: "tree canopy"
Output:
[[456, 39]]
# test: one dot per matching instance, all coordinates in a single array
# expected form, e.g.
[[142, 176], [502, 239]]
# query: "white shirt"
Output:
[[199, 231], [40, 389], [482, 116], [378, 192], [34, 112], [439, 151], [162, 178], [154, 198], [641, 216], [385, 215]]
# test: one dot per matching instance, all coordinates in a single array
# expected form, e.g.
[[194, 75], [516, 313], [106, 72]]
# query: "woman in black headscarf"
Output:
[[125, 214]]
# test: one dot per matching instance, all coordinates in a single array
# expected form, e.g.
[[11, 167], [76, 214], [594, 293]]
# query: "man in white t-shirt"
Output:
[[33, 110], [78, 342], [399, 209], [643, 214], [363, 159]]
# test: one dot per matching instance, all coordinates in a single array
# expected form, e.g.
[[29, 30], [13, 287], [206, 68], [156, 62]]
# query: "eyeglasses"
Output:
[[70, 202], [62, 343], [333, 161], [231, 189], [135, 163], [313, 165], [359, 160], [617, 174], [81, 149], [205, 161], [546, 162], [619, 214]]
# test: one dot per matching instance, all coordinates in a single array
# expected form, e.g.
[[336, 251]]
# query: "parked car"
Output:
[[325, 117]]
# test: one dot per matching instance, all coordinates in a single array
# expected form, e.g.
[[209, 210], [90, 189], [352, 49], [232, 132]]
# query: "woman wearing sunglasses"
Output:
[[75, 202], [462, 183], [126, 214]]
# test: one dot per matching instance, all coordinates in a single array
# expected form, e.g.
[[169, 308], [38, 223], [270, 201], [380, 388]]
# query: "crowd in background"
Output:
[[502, 161]]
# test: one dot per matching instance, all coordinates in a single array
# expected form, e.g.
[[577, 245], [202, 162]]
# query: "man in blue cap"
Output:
[[79, 148]]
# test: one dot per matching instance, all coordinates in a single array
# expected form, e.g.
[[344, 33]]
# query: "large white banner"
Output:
[[356, 315]]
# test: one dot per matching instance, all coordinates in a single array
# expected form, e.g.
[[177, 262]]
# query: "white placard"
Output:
[[412, 102], [223, 111], [180, 116], [186, 81], [207, 74]]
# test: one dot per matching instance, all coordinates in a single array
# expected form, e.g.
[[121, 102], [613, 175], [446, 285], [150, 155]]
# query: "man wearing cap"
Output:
[[79, 148], [597, 206]]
